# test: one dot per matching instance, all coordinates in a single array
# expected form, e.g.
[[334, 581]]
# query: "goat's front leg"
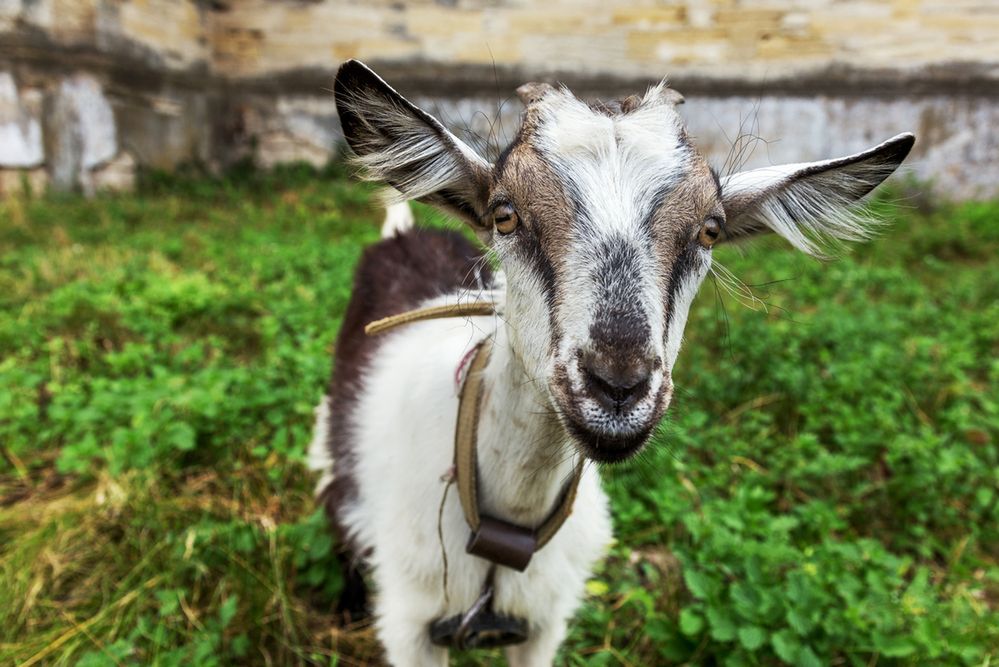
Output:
[[404, 611], [407, 642], [539, 649]]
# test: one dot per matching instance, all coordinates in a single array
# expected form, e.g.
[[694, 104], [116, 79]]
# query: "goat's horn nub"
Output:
[[531, 92], [673, 96], [670, 96]]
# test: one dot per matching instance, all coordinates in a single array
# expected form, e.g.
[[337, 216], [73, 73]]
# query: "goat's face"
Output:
[[603, 218], [616, 214]]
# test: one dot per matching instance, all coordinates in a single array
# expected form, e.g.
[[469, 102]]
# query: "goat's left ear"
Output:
[[811, 203], [399, 144]]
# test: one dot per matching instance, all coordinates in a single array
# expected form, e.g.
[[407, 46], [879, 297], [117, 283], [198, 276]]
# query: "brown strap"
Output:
[[546, 531], [431, 312], [465, 435], [499, 541], [494, 539]]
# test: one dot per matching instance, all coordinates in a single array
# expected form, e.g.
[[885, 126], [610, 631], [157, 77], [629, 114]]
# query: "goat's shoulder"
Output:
[[420, 264], [397, 274], [405, 270]]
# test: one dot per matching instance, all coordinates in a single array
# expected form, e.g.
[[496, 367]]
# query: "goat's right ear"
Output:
[[399, 144]]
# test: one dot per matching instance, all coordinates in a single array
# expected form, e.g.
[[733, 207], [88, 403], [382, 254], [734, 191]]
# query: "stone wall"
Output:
[[91, 89], [756, 39]]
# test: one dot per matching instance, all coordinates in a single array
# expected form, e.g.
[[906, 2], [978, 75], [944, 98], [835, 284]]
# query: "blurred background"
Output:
[[92, 89]]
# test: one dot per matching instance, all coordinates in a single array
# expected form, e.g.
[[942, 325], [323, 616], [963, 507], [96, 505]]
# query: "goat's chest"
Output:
[[404, 445]]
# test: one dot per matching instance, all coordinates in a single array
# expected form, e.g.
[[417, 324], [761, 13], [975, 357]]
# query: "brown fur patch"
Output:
[[546, 212], [677, 221]]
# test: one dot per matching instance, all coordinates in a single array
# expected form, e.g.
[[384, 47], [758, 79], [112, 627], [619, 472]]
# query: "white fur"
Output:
[[680, 308], [319, 457], [398, 219], [406, 447]]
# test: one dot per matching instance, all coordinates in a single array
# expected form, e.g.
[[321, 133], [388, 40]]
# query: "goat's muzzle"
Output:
[[612, 404]]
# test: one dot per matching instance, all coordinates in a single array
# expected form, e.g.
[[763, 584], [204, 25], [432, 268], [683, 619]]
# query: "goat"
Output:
[[601, 218]]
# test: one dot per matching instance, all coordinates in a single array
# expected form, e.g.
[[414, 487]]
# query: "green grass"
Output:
[[823, 492]]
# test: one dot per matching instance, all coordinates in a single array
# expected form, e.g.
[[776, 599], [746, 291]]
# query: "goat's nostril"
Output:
[[616, 384]]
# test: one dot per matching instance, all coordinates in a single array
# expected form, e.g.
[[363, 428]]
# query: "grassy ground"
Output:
[[824, 491]]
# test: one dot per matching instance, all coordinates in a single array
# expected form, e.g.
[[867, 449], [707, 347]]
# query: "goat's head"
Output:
[[603, 217]]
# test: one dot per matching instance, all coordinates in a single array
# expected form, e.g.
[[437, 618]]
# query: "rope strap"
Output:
[[431, 312]]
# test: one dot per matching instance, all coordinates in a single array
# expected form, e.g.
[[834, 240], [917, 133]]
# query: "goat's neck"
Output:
[[524, 453]]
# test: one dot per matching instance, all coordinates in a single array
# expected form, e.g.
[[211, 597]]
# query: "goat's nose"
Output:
[[616, 383]]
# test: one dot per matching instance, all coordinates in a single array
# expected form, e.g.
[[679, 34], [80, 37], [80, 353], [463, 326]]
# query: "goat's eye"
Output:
[[505, 219], [710, 232]]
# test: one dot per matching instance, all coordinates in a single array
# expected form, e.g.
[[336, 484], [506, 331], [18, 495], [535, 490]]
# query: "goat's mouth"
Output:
[[607, 447], [610, 436]]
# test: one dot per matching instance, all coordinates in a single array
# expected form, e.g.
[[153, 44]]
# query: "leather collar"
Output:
[[492, 538]]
